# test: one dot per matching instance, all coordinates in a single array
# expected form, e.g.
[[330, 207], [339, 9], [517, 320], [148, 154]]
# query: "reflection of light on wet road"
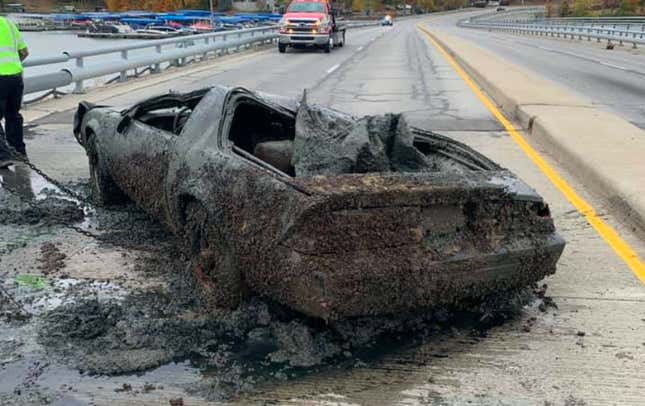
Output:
[[58, 293], [18, 178], [32, 186], [29, 184]]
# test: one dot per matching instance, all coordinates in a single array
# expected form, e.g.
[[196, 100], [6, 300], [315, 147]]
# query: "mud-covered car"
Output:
[[332, 215]]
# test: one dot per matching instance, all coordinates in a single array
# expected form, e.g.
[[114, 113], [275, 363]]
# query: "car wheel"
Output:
[[212, 259], [105, 192], [282, 48]]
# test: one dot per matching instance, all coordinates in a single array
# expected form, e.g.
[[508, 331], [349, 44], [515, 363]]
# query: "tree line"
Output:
[[590, 8]]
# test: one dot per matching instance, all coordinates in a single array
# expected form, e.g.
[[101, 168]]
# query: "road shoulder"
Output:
[[601, 149]]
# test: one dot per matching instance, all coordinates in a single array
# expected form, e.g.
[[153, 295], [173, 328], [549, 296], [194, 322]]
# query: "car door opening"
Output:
[[265, 134]]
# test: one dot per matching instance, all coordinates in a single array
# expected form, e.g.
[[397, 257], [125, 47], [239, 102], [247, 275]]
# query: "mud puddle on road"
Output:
[[121, 317]]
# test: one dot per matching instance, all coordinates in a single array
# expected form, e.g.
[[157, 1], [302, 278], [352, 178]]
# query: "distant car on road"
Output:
[[500, 9], [387, 20]]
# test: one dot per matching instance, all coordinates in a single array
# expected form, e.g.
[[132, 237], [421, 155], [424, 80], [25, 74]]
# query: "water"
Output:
[[54, 43]]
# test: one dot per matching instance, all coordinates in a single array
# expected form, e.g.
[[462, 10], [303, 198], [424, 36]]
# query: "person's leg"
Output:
[[4, 149], [12, 116]]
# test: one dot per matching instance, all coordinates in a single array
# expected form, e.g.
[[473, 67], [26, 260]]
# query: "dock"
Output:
[[129, 35]]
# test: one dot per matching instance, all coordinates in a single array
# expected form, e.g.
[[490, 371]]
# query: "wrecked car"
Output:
[[332, 215]]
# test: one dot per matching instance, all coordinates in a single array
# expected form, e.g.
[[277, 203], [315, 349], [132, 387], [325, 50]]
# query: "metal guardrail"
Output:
[[618, 29], [531, 14], [174, 51]]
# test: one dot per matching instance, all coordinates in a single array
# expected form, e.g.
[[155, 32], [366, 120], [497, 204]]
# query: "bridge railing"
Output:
[[175, 51], [621, 30]]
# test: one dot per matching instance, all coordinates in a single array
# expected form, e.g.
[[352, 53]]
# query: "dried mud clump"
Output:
[[51, 259]]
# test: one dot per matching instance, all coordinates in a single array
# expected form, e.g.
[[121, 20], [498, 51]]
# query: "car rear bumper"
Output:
[[406, 279]]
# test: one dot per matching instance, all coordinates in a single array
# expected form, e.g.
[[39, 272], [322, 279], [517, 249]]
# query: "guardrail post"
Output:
[[205, 54], [78, 85], [123, 76], [157, 66], [225, 50], [181, 61]]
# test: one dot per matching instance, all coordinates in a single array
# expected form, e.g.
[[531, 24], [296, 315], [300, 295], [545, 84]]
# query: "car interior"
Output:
[[264, 133], [168, 113]]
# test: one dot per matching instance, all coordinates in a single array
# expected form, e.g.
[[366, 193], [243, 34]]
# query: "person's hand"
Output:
[[23, 53]]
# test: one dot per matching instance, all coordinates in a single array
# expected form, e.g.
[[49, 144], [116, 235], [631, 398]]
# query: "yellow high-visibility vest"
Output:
[[10, 43]]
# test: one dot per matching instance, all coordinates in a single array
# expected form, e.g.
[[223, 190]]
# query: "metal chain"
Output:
[[19, 307], [85, 202], [73, 227], [35, 206]]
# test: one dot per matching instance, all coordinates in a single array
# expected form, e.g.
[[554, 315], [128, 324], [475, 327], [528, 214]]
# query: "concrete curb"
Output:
[[603, 150]]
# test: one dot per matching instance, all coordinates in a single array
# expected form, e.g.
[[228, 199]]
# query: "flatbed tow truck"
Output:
[[311, 24]]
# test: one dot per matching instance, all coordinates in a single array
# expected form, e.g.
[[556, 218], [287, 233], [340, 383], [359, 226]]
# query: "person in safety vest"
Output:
[[13, 51]]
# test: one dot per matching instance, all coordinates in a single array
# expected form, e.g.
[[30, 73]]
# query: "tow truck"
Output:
[[310, 24]]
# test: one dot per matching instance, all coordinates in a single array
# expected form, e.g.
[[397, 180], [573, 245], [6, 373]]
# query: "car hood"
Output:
[[295, 16]]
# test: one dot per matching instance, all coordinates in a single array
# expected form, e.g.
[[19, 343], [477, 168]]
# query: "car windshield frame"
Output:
[[306, 7]]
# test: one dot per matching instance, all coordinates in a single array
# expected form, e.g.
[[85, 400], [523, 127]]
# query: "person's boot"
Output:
[[5, 163], [6, 159]]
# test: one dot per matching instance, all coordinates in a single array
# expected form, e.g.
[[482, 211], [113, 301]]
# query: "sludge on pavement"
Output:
[[331, 215], [260, 343]]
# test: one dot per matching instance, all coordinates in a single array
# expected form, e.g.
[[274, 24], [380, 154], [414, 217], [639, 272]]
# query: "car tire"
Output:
[[212, 259], [282, 48], [105, 192]]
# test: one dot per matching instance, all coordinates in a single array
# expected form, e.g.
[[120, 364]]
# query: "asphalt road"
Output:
[[589, 350], [613, 79]]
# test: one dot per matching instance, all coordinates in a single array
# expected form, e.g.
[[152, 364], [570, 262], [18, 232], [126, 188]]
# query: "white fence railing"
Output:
[[617, 29], [175, 51]]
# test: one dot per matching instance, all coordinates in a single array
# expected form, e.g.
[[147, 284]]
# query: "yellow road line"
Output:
[[620, 246]]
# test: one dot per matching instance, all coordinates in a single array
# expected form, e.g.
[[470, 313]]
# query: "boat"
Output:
[[162, 30], [109, 28]]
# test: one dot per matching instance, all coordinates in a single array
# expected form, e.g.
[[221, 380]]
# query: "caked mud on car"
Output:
[[332, 215]]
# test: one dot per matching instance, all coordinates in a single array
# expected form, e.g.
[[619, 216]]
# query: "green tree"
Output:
[[549, 9], [565, 10], [581, 8], [625, 8]]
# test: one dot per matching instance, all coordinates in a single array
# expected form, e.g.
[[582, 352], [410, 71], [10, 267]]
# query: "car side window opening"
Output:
[[265, 134], [169, 115]]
